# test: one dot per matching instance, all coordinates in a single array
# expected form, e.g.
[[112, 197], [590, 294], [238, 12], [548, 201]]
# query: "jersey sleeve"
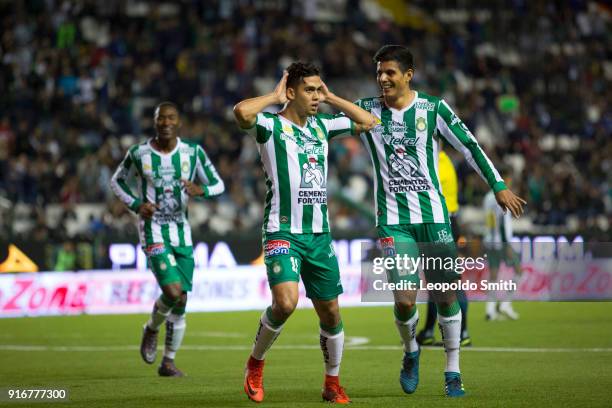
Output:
[[453, 130], [119, 183], [212, 184], [336, 125], [262, 129]]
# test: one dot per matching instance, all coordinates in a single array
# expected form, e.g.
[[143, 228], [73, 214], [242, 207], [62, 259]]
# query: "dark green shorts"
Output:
[[171, 264], [433, 242], [287, 256]]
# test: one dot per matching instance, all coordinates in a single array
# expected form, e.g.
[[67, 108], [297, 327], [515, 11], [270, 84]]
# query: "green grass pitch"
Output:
[[557, 354]]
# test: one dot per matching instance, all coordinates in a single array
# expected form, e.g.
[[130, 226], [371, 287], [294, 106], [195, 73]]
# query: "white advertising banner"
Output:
[[106, 292]]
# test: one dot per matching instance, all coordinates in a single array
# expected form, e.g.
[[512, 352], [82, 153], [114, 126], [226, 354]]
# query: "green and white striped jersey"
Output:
[[158, 178], [295, 165], [404, 152], [499, 224]]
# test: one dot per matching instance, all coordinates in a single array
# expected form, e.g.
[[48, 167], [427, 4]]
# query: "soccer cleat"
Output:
[[333, 392], [409, 375], [466, 341], [425, 338], [506, 309], [148, 345], [453, 386], [492, 316], [168, 369], [253, 379]]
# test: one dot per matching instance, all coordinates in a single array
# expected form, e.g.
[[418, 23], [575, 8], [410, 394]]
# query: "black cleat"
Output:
[[425, 338], [168, 369], [148, 345]]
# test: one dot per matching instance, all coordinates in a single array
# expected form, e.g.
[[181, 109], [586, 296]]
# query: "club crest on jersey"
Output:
[[320, 134], [421, 124], [154, 249], [387, 245], [185, 167], [445, 237], [277, 247]]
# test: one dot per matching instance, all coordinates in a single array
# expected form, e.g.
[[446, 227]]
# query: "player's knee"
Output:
[[285, 306], [174, 293], [182, 300], [405, 305]]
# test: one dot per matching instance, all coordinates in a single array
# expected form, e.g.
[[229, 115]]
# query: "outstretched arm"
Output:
[[363, 119], [460, 137], [246, 111]]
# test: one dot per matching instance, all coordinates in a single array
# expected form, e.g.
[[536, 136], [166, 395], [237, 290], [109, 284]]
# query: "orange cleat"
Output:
[[253, 379], [333, 392]]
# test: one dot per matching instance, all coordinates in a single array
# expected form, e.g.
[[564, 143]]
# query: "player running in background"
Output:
[[296, 236], [165, 168], [449, 184], [497, 239], [412, 209]]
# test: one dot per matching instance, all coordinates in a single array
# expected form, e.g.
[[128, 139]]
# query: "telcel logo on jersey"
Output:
[[277, 247], [387, 245], [154, 249]]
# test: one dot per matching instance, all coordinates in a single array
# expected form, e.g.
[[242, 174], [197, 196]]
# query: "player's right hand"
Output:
[[146, 210], [280, 91]]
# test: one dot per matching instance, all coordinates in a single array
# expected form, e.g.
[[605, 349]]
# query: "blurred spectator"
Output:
[[79, 81]]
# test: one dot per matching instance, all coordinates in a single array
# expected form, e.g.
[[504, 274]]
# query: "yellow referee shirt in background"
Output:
[[448, 181]]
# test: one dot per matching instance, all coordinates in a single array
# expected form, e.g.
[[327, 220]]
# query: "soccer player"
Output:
[[165, 168], [497, 244], [296, 236], [412, 209], [449, 186]]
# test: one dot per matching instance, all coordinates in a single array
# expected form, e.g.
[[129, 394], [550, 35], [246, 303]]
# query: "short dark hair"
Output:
[[300, 70], [166, 104], [397, 53]]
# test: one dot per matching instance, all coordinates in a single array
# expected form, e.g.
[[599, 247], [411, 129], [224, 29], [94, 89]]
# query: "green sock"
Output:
[[451, 310]]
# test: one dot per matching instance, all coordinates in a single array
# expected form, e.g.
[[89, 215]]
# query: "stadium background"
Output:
[[78, 83]]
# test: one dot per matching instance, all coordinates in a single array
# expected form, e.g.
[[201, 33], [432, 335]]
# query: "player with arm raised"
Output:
[[411, 209], [165, 169], [296, 236]]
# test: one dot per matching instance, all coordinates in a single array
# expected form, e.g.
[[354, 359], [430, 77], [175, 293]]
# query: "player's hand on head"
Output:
[[280, 91], [325, 92], [192, 188], [510, 202], [146, 210]]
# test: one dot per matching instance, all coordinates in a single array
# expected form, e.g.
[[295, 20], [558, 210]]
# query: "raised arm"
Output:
[[246, 111], [363, 119]]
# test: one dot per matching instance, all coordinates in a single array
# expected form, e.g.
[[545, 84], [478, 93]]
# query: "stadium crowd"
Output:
[[79, 81]]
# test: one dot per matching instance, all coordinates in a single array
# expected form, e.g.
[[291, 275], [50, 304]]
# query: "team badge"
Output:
[[421, 124], [284, 219], [320, 134], [185, 167]]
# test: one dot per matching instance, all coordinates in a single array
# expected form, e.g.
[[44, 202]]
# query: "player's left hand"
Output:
[[510, 201], [192, 188], [325, 93]]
